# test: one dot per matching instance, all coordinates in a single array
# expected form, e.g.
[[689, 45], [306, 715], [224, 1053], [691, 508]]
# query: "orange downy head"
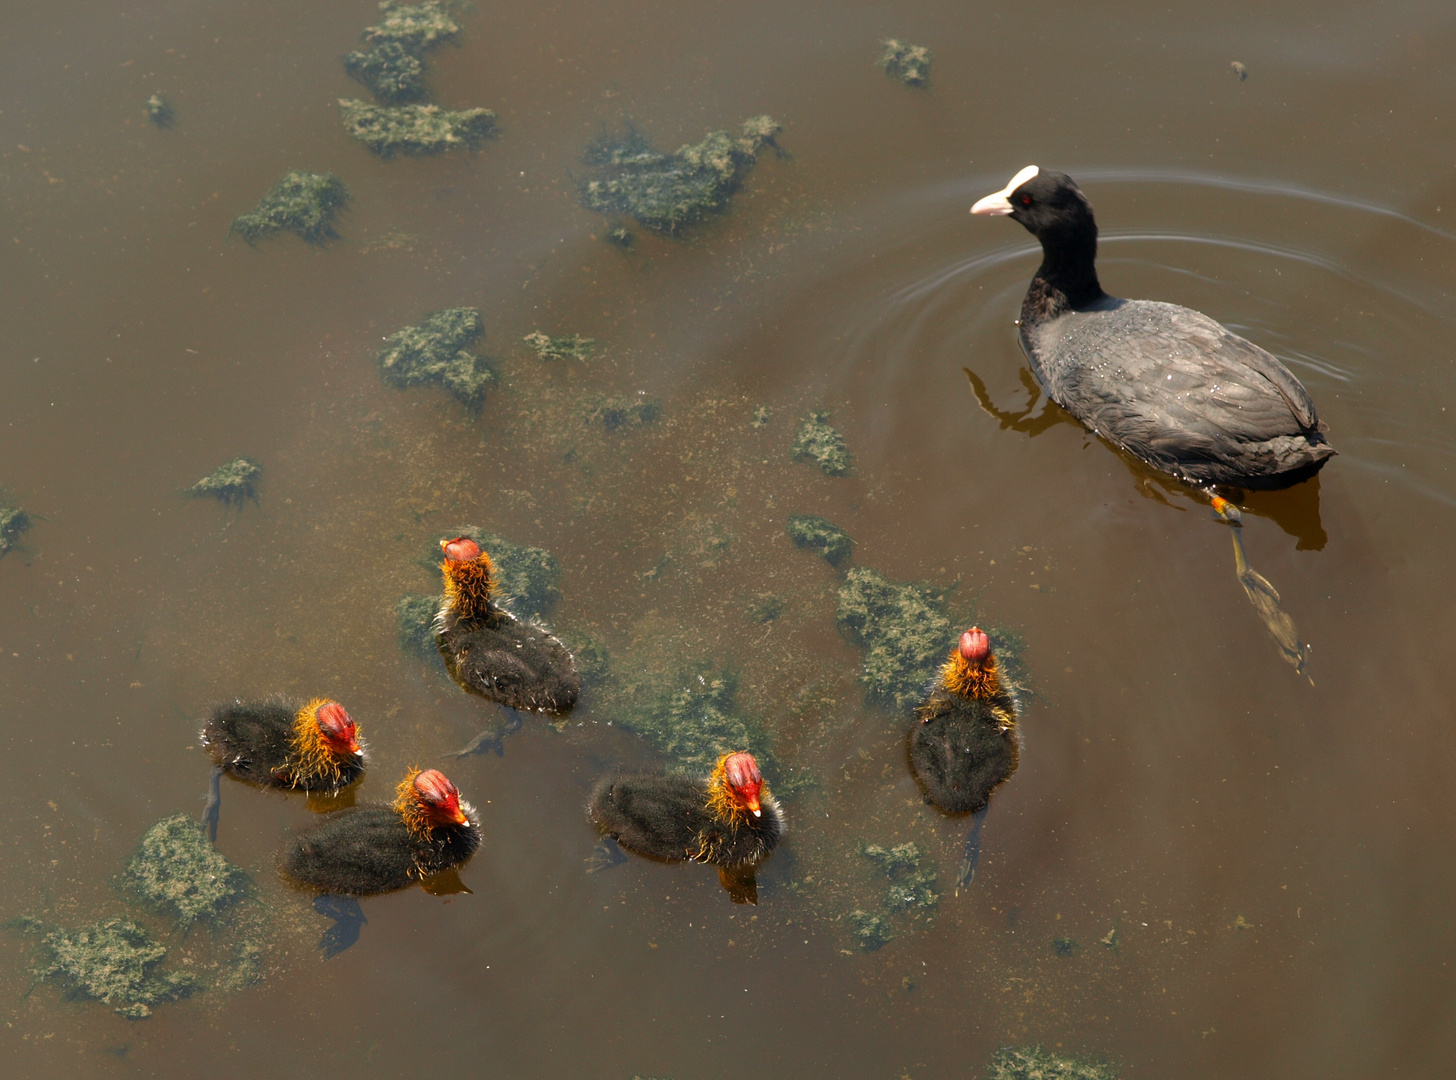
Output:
[[469, 576], [971, 670], [426, 799], [736, 787], [325, 741]]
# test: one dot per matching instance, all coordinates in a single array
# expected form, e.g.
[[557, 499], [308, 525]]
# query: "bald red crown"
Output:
[[337, 728], [461, 549], [744, 779], [975, 645], [439, 797]]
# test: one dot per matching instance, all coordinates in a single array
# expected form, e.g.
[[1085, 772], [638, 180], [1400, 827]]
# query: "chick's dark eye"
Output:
[[1026, 200]]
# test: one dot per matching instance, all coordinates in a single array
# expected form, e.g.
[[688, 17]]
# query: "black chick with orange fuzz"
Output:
[[278, 743], [727, 818], [375, 848], [490, 652]]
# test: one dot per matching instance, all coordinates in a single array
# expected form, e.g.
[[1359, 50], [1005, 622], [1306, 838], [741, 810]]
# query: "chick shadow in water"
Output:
[[1295, 509], [739, 882], [348, 914], [492, 740]]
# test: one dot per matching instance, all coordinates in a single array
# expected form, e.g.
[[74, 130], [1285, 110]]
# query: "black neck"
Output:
[[1067, 280]]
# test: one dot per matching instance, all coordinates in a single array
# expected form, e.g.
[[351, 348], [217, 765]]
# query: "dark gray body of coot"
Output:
[[1167, 384], [366, 850]]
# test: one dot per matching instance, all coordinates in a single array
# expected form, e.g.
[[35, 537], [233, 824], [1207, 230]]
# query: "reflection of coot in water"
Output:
[[964, 743], [1165, 383], [373, 849], [728, 819], [491, 652]]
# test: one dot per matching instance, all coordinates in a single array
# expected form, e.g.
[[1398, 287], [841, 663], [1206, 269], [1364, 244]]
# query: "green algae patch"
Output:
[[819, 441], [13, 522], [912, 887], [160, 112], [667, 192], [415, 129], [565, 347], [690, 713], [908, 63], [903, 629], [179, 871], [818, 534], [621, 413], [230, 483], [415, 27], [393, 74], [116, 962], [436, 352], [868, 930], [302, 202], [414, 617], [1036, 1063]]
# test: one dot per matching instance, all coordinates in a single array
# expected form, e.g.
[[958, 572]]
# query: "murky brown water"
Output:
[[1273, 856]]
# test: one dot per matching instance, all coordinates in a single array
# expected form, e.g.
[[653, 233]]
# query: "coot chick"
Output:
[[278, 743], [728, 818], [488, 650], [964, 743], [1165, 383], [375, 848]]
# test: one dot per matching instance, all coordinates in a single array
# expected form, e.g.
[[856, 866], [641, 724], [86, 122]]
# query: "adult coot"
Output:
[[1165, 383], [373, 849], [964, 743], [727, 818], [487, 649]]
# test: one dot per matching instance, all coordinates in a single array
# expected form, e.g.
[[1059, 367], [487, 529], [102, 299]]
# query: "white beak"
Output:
[[758, 813], [999, 204]]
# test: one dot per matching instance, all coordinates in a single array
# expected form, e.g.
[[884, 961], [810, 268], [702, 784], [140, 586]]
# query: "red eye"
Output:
[[1026, 200]]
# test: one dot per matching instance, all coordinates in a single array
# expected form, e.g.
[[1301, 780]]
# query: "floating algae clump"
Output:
[[414, 617], [393, 74], [616, 413], [302, 202], [415, 129], [567, 347], [820, 442], [911, 887], [665, 192], [178, 870], [903, 629], [435, 352], [13, 522], [817, 534], [1034, 1063], [231, 483], [908, 63], [869, 931], [113, 961], [415, 27], [159, 111], [689, 713]]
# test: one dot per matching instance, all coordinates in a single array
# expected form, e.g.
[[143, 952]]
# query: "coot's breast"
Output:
[[1176, 389]]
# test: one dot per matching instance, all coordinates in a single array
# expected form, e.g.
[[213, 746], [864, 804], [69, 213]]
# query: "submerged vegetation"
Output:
[[113, 961], [230, 483], [566, 347], [160, 111], [302, 202], [176, 869], [415, 129], [393, 74], [903, 629], [415, 27], [436, 352], [1036, 1063], [908, 63], [818, 534], [666, 192], [616, 412], [13, 521], [819, 441]]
